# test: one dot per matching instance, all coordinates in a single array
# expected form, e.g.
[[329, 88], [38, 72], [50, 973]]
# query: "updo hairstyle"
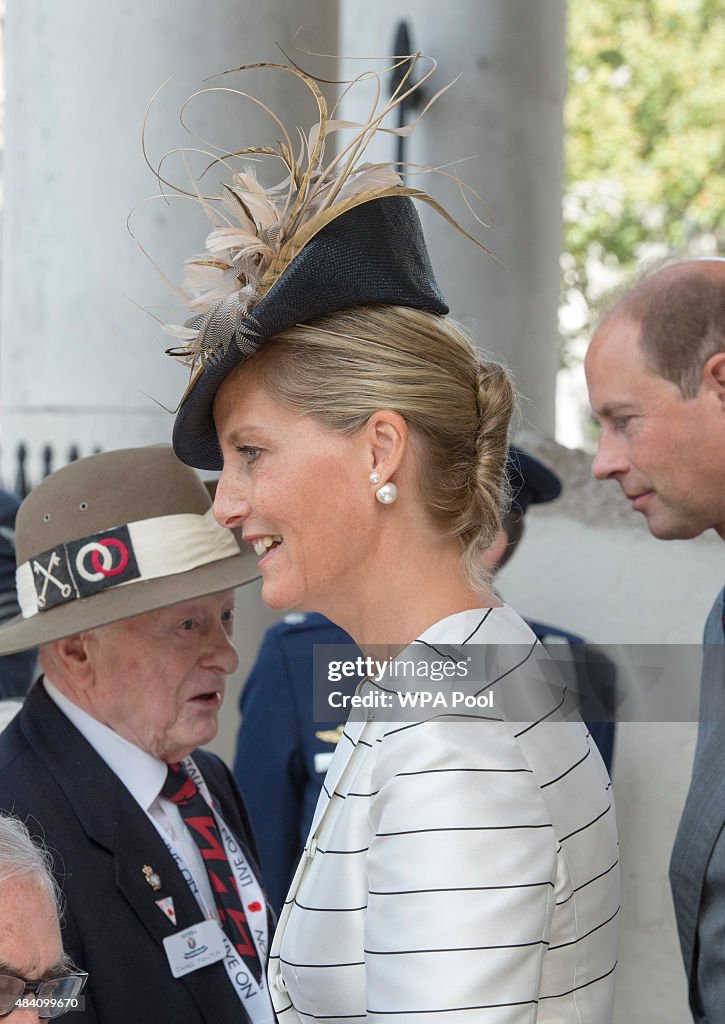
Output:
[[343, 367]]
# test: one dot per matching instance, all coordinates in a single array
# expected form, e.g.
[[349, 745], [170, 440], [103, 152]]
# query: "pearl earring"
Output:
[[387, 494], [375, 477]]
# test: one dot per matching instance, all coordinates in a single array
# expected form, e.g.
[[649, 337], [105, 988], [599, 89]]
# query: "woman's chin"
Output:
[[280, 599]]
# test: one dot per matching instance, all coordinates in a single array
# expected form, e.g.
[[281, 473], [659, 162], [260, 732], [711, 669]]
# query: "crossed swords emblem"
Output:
[[65, 588]]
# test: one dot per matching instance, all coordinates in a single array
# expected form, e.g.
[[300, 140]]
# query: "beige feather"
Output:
[[261, 230]]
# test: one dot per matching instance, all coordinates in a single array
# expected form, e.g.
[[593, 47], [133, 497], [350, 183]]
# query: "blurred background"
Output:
[[594, 132]]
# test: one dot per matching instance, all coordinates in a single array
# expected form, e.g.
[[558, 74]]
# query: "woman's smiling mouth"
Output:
[[262, 545]]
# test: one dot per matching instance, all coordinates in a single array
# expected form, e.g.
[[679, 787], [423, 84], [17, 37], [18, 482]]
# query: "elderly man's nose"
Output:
[[219, 651], [27, 1016]]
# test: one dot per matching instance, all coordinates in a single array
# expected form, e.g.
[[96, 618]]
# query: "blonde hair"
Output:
[[341, 368]]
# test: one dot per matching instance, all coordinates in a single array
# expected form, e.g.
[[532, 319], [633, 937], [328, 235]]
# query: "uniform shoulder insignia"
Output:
[[330, 735], [552, 634], [294, 618], [553, 638]]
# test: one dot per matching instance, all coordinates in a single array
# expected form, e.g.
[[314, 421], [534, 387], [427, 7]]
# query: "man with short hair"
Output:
[[656, 375], [125, 582], [37, 979]]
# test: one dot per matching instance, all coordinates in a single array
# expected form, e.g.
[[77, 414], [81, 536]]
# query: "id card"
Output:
[[195, 947]]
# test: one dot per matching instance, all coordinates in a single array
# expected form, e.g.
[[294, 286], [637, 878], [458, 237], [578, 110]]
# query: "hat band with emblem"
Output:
[[146, 550], [114, 536]]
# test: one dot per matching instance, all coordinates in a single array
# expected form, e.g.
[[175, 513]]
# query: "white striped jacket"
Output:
[[457, 869]]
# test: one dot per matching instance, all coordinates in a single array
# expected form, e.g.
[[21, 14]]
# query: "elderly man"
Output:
[[656, 375], [125, 582], [37, 981]]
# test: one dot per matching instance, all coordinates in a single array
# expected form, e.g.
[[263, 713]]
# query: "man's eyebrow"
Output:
[[59, 969], [610, 409]]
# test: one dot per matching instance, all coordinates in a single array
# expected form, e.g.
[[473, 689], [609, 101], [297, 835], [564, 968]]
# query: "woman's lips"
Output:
[[263, 544], [270, 554]]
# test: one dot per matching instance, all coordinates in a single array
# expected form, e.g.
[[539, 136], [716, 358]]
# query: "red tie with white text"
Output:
[[198, 818]]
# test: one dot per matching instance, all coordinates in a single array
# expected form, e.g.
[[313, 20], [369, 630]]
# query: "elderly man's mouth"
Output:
[[212, 698]]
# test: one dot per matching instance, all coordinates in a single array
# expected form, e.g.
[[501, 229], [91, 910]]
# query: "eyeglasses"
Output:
[[49, 998]]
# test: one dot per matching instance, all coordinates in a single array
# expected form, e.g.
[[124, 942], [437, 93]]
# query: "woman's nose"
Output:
[[230, 506]]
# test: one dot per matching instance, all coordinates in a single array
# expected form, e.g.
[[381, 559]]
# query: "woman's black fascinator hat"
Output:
[[330, 236]]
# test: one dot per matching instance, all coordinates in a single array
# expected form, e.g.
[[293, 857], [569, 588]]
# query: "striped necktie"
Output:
[[181, 789]]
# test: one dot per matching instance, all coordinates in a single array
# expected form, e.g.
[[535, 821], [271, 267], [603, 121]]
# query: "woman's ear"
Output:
[[386, 436]]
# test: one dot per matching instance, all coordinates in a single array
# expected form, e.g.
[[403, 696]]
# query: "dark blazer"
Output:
[[16, 670], [101, 840], [282, 751], [697, 867]]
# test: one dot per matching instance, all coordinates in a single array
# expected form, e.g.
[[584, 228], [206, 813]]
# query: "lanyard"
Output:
[[254, 997]]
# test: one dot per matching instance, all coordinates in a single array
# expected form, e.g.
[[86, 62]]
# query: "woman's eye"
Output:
[[250, 453], [187, 624], [228, 615]]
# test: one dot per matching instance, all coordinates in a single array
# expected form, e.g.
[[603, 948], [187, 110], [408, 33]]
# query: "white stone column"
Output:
[[506, 110], [79, 363]]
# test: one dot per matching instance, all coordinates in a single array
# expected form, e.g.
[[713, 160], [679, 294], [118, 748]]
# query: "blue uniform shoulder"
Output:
[[299, 624], [546, 633]]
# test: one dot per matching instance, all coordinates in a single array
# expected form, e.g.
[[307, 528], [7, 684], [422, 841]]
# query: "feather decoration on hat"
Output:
[[257, 232]]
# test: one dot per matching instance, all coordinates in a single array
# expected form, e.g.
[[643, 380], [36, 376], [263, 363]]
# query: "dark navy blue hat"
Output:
[[532, 483], [374, 253]]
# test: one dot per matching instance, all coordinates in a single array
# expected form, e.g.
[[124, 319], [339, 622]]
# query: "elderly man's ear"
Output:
[[68, 660]]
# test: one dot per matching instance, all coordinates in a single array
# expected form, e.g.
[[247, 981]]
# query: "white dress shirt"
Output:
[[143, 776]]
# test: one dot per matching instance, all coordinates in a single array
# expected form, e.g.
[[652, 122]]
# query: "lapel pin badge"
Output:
[[166, 906], [152, 877]]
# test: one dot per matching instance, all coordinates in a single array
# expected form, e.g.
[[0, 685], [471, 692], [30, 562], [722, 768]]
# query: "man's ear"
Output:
[[386, 437], [713, 374], [71, 658]]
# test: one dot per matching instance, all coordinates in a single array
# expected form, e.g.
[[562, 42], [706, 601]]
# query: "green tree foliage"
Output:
[[645, 165]]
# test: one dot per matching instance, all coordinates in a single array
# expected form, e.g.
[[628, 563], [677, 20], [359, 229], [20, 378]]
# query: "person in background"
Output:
[[126, 584], [282, 752], [586, 668], [37, 978], [16, 670], [656, 375]]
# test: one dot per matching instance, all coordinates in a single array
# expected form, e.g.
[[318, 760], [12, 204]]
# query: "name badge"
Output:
[[195, 947]]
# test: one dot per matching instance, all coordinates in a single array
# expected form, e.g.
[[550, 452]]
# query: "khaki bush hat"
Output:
[[113, 536]]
